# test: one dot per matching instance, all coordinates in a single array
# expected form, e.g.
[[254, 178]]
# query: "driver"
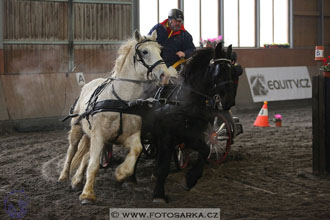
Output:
[[177, 44]]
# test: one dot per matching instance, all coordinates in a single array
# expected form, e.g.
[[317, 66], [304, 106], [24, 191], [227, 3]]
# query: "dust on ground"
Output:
[[268, 175]]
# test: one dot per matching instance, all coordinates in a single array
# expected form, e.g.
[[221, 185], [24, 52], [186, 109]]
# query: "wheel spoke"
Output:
[[221, 128], [222, 138], [211, 149], [215, 122], [221, 147], [218, 137]]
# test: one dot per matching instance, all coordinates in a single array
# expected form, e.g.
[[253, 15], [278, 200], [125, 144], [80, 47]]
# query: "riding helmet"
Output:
[[176, 14]]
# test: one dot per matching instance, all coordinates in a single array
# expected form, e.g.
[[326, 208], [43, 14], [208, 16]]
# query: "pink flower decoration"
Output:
[[278, 117]]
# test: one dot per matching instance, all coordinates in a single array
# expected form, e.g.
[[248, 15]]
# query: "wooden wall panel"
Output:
[[305, 31], [35, 20], [327, 32], [2, 62], [102, 22], [122, 1], [3, 107], [95, 58], [305, 5], [273, 57], [43, 95], [35, 58]]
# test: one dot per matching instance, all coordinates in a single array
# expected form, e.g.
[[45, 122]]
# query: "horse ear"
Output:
[[229, 51], [218, 49], [137, 35], [154, 35]]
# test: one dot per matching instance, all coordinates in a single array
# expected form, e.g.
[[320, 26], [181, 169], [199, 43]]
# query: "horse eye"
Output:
[[145, 52]]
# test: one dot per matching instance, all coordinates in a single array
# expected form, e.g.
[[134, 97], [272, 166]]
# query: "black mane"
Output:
[[197, 65]]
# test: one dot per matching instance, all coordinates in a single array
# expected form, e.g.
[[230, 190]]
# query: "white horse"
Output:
[[139, 59]]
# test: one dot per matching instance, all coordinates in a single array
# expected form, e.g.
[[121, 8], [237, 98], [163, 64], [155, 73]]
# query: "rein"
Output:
[[149, 81]]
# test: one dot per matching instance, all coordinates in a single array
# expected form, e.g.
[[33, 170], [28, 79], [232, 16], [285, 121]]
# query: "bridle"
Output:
[[215, 62], [138, 57]]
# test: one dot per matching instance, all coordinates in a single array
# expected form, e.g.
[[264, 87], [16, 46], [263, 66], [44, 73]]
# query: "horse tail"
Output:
[[83, 148]]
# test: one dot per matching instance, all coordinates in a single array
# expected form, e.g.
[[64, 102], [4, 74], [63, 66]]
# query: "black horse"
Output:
[[207, 74]]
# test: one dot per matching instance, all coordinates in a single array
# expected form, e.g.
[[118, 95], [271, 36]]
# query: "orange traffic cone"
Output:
[[262, 119]]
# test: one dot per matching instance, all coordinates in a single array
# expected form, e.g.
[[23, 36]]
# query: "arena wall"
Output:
[[40, 55]]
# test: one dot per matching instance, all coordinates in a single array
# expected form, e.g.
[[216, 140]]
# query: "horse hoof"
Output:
[[87, 201], [159, 200], [62, 179], [77, 187]]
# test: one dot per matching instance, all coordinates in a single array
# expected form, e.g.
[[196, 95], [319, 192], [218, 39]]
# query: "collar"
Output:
[[169, 31]]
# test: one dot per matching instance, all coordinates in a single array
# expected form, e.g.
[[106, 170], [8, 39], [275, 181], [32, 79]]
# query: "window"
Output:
[[153, 12], [148, 15], [192, 18], [210, 19], [201, 19], [274, 22], [164, 7], [239, 23], [231, 22]]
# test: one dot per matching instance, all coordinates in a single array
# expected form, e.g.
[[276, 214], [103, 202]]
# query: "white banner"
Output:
[[279, 83]]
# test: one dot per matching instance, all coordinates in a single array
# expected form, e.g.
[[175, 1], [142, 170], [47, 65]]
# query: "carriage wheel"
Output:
[[106, 156], [181, 157], [218, 137]]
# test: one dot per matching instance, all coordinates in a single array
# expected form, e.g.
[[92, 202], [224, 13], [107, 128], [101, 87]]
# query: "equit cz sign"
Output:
[[279, 83]]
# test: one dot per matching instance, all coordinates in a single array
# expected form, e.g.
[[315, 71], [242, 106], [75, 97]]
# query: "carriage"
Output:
[[109, 111], [220, 135]]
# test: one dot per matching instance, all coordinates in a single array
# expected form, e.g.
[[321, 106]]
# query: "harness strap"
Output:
[[71, 115], [116, 95], [120, 131], [135, 81], [223, 84], [154, 65]]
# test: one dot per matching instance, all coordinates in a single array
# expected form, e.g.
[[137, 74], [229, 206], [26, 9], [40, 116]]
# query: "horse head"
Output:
[[220, 69], [147, 58]]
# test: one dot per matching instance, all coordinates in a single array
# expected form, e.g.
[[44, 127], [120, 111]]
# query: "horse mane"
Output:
[[123, 52], [198, 61], [197, 64]]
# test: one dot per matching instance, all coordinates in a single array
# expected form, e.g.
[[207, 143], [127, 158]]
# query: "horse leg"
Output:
[[132, 178], [83, 148], [196, 171], [88, 195], [126, 169], [74, 138], [162, 171], [76, 182]]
